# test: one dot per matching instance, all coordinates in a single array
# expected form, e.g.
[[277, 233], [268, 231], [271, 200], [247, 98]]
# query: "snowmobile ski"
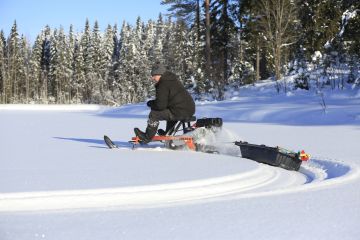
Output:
[[109, 143]]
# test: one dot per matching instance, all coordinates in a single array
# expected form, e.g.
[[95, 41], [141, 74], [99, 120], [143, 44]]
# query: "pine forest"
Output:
[[209, 44]]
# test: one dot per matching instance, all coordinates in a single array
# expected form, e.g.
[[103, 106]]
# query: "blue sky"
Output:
[[32, 15]]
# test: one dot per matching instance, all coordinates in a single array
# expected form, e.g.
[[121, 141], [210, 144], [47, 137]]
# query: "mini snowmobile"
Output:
[[193, 131], [189, 136], [190, 130]]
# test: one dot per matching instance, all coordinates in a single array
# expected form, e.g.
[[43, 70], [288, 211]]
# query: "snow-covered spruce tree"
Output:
[[148, 41], [111, 39], [324, 27], [59, 67], [88, 53], [198, 35], [189, 13], [149, 34], [302, 80], [2, 67], [329, 20], [187, 53], [309, 38], [222, 28], [174, 50], [245, 45], [319, 22], [169, 45], [128, 65], [123, 91], [131, 79], [78, 79], [192, 55], [45, 66], [354, 68], [130, 55], [250, 48], [143, 64], [54, 70], [336, 57], [300, 66], [107, 62], [24, 81], [196, 60], [66, 58], [157, 48], [351, 33], [241, 69], [98, 82], [135, 62], [69, 64], [13, 65], [135, 65], [36, 69], [116, 38]]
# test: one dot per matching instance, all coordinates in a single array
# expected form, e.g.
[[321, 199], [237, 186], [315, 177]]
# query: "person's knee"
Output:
[[153, 123], [160, 115], [154, 115]]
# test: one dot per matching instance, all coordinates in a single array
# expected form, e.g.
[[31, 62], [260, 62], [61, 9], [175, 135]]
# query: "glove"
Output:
[[150, 103]]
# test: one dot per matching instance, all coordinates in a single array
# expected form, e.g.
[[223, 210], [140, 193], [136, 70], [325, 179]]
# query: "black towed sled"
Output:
[[274, 156]]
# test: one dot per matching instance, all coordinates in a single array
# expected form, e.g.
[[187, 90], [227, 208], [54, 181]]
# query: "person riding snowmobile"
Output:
[[172, 103]]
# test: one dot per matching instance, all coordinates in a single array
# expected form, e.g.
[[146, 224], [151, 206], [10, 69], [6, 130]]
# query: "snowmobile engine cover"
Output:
[[209, 122]]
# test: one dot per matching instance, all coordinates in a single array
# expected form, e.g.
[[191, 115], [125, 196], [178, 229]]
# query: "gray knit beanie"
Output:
[[158, 69]]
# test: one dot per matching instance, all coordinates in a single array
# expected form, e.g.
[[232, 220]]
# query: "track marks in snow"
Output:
[[141, 196], [323, 172], [264, 180]]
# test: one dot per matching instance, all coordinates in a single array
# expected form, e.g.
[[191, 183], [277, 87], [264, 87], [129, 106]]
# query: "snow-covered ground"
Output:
[[59, 181]]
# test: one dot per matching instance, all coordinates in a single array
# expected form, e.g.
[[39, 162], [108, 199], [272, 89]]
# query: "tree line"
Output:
[[209, 44], [250, 40]]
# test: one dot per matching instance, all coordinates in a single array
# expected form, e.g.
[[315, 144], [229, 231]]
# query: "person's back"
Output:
[[172, 102], [171, 94]]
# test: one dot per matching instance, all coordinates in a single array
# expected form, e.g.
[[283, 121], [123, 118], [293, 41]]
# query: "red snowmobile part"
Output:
[[304, 156], [189, 141]]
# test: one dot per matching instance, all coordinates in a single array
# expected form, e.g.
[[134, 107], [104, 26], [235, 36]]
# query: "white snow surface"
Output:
[[60, 181]]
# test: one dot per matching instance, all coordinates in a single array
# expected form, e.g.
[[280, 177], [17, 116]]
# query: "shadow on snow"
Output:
[[100, 143]]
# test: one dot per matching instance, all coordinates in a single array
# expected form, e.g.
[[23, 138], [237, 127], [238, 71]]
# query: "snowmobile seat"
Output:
[[185, 123], [187, 120]]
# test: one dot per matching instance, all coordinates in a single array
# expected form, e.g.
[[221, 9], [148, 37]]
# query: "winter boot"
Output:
[[149, 133], [169, 128], [140, 134], [161, 132]]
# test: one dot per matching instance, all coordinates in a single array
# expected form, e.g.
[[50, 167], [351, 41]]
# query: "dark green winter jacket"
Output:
[[172, 95]]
